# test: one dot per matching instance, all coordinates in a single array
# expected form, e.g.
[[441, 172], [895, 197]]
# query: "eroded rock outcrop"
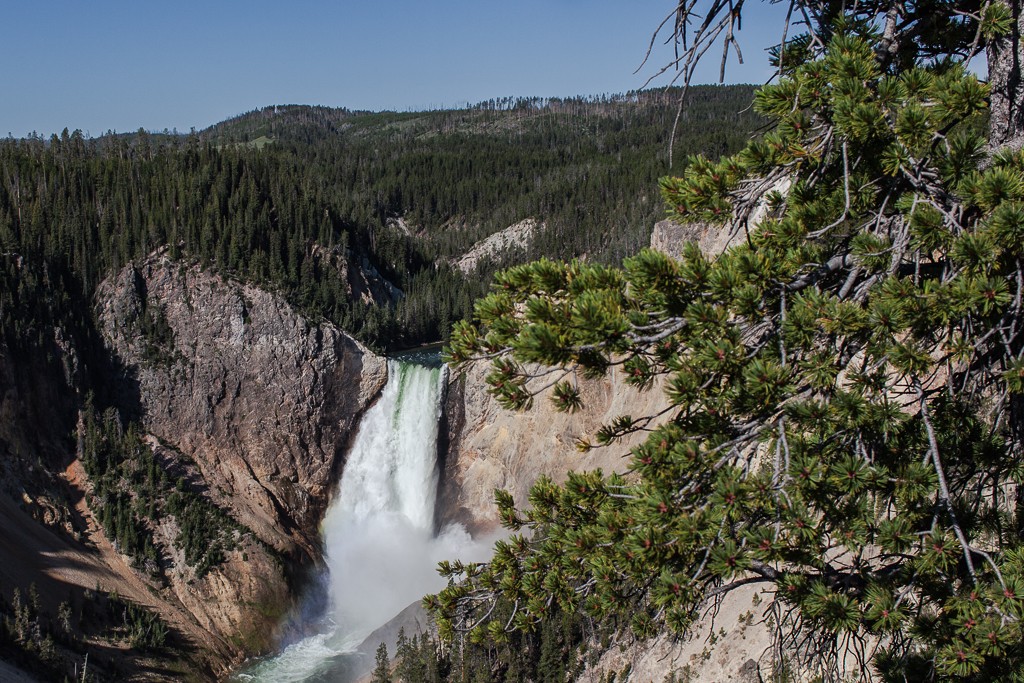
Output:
[[233, 377], [492, 447], [516, 236], [670, 237], [251, 404]]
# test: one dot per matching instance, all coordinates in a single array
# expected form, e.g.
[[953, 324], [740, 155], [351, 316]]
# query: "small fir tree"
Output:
[[382, 671]]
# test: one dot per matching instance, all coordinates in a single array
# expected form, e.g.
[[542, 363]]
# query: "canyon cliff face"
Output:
[[262, 399], [253, 401], [491, 447], [246, 406]]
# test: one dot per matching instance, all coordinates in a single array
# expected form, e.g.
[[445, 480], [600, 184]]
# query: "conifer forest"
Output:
[[289, 197]]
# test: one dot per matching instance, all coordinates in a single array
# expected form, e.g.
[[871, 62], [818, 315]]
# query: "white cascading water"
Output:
[[379, 536]]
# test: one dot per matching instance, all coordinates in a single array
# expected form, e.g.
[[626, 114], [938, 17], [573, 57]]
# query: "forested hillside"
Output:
[[295, 198]]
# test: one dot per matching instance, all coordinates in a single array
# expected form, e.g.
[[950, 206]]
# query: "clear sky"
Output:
[[120, 65]]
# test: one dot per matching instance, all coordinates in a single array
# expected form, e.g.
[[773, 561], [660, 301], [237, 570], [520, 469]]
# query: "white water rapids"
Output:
[[379, 538]]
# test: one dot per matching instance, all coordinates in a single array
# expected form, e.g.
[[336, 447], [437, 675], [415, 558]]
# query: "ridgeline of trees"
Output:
[[267, 195]]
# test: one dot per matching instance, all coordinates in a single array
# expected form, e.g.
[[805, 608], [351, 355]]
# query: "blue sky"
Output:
[[105, 65]]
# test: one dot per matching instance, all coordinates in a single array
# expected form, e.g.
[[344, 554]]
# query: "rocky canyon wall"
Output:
[[262, 399], [258, 403], [246, 406], [491, 447]]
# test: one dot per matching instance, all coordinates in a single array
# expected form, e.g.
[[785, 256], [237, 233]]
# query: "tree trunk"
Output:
[[1006, 126]]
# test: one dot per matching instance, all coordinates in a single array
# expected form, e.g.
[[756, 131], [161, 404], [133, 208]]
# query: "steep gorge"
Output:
[[244, 408], [253, 406]]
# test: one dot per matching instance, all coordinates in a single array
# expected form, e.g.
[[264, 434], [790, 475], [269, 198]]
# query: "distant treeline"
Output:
[[266, 195]]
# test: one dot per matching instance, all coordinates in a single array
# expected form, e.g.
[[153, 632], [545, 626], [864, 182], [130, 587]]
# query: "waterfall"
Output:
[[379, 539]]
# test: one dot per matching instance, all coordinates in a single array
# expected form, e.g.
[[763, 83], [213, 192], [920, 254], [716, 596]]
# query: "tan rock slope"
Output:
[[516, 236], [491, 447]]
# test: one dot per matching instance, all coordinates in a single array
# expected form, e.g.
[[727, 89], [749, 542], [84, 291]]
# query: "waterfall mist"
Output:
[[379, 538]]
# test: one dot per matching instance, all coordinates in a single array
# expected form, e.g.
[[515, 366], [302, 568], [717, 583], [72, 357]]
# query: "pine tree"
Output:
[[845, 379], [382, 671]]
